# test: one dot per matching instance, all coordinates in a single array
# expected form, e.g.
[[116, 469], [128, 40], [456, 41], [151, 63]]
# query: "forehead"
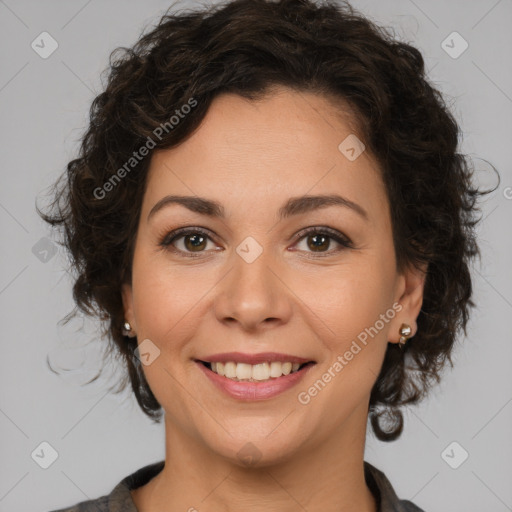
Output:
[[255, 154]]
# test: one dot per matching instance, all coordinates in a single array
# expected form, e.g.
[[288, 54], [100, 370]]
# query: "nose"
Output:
[[253, 295]]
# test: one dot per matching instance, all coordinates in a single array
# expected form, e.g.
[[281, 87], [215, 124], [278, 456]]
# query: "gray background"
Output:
[[100, 437]]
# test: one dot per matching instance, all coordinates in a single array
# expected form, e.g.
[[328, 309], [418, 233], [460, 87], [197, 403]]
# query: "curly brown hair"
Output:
[[246, 47]]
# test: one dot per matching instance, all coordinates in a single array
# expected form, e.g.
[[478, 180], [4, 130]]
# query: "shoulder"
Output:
[[386, 497], [120, 499], [409, 506]]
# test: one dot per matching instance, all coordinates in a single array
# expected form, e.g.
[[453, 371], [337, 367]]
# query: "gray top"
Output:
[[120, 499]]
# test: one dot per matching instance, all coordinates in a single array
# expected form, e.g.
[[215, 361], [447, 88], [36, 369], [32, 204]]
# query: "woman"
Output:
[[270, 215]]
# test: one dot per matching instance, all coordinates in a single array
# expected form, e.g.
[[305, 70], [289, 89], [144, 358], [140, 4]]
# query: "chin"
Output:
[[251, 447]]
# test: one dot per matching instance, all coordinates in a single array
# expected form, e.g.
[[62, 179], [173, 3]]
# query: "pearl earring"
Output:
[[127, 330], [405, 331]]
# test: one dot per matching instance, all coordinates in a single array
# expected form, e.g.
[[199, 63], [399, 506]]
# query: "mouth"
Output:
[[261, 372], [263, 380]]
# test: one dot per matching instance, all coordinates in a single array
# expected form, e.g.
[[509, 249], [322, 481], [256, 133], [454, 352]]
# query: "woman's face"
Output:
[[252, 281]]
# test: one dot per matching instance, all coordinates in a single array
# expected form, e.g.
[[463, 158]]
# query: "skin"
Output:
[[252, 156]]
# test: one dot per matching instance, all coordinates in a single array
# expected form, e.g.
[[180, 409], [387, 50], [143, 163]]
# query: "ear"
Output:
[[127, 296], [409, 294]]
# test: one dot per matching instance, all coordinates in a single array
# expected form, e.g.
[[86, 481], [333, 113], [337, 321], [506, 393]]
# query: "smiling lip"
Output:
[[263, 357], [250, 391]]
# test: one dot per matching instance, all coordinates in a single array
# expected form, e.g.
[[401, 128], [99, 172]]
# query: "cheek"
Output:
[[356, 304], [164, 295], [347, 300], [356, 308], [164, 309]]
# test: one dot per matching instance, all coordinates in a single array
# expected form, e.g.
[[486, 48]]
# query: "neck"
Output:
[[327, 477]]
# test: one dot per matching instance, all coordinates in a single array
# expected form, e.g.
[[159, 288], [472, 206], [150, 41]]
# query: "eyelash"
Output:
[[333, 234]]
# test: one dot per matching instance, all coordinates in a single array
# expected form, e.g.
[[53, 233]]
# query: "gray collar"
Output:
[[120, 499]]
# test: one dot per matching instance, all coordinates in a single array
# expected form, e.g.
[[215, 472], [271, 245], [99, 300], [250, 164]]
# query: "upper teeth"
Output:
[[262, 371]]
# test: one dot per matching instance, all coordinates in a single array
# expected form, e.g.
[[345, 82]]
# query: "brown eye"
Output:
[[195, 242], [318, 242], [187, 241]]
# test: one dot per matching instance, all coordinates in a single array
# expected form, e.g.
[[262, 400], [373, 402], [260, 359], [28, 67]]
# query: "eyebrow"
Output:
[[294, 205]]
